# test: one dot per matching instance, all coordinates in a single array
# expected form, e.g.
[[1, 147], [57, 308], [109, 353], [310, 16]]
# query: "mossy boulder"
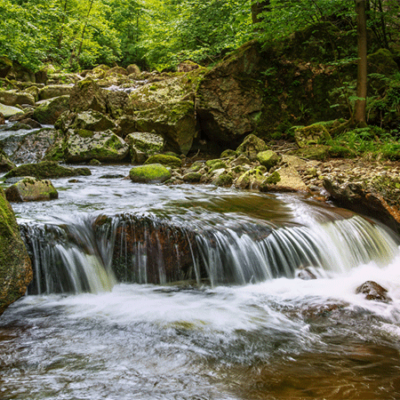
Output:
[[5, 163], [87, 95], [216, 164], [47, 170], [48, 92], [381, 62], [251, 146], [31, 189], [224, 179], [14, 97], [164, 159], [49, 111], [92, 121], [289, 181], [311, 135], [116, 101], [133, 69], [84, 145], [8, 111], [150, 173], [252, 179], [116, 71], [143, 145], [192, 177], [317, 152], [15, 265], [228, 153], [268, 158]]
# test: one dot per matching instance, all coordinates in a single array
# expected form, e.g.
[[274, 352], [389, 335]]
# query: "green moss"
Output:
[[192, 177], [224, 180], [84, 133], [228, 153], [216, 164], [273, 179], [319, 152], [163, 159], [268, 158], [151, 173]]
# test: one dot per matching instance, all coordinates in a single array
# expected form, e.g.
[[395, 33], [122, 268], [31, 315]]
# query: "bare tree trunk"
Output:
[[360, 108], [257, 8]]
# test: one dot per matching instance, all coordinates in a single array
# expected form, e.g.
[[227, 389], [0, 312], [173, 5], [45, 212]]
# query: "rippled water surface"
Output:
[[282, 338]]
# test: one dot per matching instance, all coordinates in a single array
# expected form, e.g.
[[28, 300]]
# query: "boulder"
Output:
[[187, 66], [85, 145], [97, 72], [87, 95], [192, 177], [251, 146], [252, 179], [216, 164], [374, 291], [5, 66], [33, 91], [126, 125], [48, 92], [47, 170], [143, 145], [284, 180], [92, 121], [311, 135], [150, 173], [116, 71], [9, 111], [15, 265], [268, 158], [49, 111], [5, 164], [133, 69], [164, 159], [31, 189], [116, 102], [41, 76], [13, 98]]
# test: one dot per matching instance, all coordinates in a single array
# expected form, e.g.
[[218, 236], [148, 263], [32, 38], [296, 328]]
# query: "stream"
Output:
[[193, 292]]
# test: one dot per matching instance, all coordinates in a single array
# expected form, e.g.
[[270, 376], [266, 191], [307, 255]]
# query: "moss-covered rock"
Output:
[[9, 111], [48, 92], [164, 159], [5, 163], [92, 121], [15, 265], [268, 158], [5, 66], [133, 69], [289, 181], [192, 177], [273, 179], [14, 97], [31, 189], [252, 179], [197, 166], [116, 102], [46, 170], [228, 153], [216, 164], [251, 146], [143, 145], [224, 179], [49, 111], [313, 134], [150, 173], [84, 145], [87, 95], [317, 152]]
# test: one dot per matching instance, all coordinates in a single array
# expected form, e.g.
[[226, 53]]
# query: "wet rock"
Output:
[[163, 159], [252, 179], [13, 98], [111, 176], [8, 111], [150, 173], [15, 265], [268, 158], [48, 92], [94, 162], [223, 179], [305, 274], [92, 121], [31, 123], [216, 164], [192, 177], [84, 145], [311, 135], [87, 95], [49, 111], [5, 163], [31, 189], [143, 145], [251, 146], [374, 291], [46, 170]]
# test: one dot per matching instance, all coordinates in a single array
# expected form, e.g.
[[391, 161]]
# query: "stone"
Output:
[[164, 159], [87, 95], [187, 66], [116, 71], [33, 91], [94, 162], [216, 164], [49, 111], [48, 92], [47, 170], [315, 152], [224, 179], [374, 291], [311, 135], [15, 265], [305, 273], [228, 153], [84, 145], [117, 101], [268, 158], [192, 177], [13, 98], [31, 123], [5, 66], [133, 69], [150, 173], [92, 121], [8, 111], [252, 180], [251, 146], [241, 160], [290, 181], [143, 145], [31, 189], [5, 164]]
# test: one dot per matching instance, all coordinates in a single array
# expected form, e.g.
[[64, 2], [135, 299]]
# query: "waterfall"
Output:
[[93, 253]]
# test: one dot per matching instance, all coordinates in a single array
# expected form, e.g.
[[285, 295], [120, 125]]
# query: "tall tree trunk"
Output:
[[360, 108], [84, 28], [257, 8], [60, 36]]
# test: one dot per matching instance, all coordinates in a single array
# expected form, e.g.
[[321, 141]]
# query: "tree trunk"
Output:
[[84, 28], [360, 108], [257, 8]]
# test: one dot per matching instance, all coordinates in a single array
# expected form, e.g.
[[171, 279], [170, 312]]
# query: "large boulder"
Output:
[[87, 95], [150, 173], [48, 92], [142, 145], [92, 121], [311, 135], [49, 111], [167, 107], [31, 189], [5, 163], [165, 159], [374, 291], [13, 98], [251, 146], [47, 170], [15, 265], [85, 145], [117, 101], [9, 111]]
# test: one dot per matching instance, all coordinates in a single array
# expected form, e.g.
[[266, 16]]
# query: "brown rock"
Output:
[[373, 291]]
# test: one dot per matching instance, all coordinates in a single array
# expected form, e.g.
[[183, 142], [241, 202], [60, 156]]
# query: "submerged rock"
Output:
[[47, 169], [151, 173], [15, 265], [374, 291], [31, 189]]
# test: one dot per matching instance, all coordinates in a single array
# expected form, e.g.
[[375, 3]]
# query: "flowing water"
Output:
[[192, 292]]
